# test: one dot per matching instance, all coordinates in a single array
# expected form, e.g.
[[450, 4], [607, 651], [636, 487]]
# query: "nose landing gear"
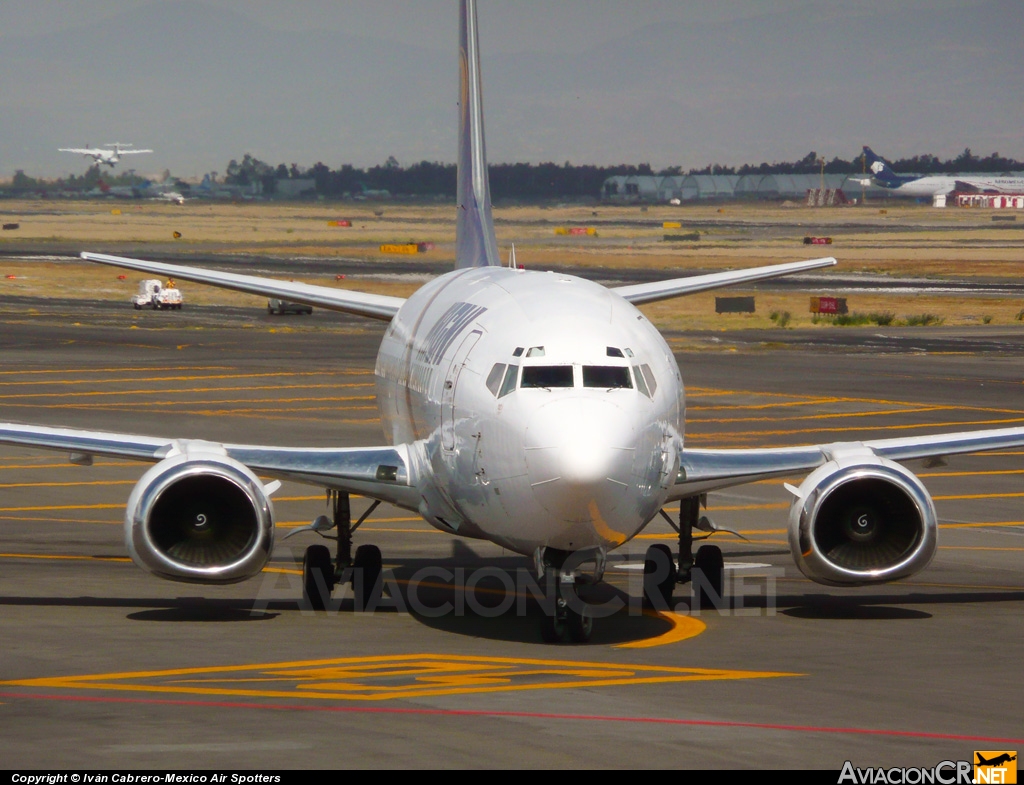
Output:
[[568, 620]]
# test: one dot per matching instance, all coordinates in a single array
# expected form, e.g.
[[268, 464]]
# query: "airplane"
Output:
[[996, 761], [936, 184], [109, 156], [534, 409]]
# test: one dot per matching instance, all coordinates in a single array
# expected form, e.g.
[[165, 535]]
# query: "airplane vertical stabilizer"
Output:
[[475, 244]]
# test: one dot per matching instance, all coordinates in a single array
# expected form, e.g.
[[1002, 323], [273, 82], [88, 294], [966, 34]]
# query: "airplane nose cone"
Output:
[[579, 452]]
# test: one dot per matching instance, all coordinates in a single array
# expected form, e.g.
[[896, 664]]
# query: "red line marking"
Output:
[[521, 715]]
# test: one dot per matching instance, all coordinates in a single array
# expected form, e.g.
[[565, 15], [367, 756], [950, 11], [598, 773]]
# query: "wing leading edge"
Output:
[[702, 470], [662, 290], [383, 473], [375, 306]]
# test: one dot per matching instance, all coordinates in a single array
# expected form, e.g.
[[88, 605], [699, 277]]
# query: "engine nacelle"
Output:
[[862, 519], [200, 517]]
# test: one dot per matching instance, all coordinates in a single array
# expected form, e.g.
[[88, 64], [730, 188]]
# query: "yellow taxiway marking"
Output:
[[888, 427], [135, 379], [182, 391], [65, 465], [405, 676], [58, 557], [683, 627], [65, 484], [119, 370]]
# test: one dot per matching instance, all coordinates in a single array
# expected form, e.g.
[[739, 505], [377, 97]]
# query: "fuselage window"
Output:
[[649, 376], [494, 378], [547, 376], [641, 385], [606, 376], [508, 384]]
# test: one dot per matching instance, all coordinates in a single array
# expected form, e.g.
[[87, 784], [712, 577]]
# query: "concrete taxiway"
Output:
[[104, 666]]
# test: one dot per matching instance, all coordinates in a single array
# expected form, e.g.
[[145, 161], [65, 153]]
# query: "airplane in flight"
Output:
[[110, 156], [937, 184], [537, 410]]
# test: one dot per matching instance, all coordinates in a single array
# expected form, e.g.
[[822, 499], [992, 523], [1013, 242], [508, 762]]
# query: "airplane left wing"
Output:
[[376, 306], [378, 472], [701, 471], [675, 287]]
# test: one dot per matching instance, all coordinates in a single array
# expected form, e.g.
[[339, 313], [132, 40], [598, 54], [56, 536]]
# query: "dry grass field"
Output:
[[905, 241]]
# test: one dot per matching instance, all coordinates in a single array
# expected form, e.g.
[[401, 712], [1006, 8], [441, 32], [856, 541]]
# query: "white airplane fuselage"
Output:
[[945, 184], [573, 448]]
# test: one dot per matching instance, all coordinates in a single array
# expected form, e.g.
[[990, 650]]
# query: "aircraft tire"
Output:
[[709, 561], [579, 626], [366, 577], [659, 595], [317, 577], [553, 629]]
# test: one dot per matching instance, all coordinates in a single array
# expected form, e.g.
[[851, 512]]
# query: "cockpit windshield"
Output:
[[606, 376], [546, 376]]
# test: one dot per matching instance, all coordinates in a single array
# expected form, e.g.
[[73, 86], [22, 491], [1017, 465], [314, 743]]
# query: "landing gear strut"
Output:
[[705, 570], [320, 576], [563, 623]]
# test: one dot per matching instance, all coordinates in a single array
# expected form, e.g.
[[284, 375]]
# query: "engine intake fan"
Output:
[[862, 520], [200, 518]]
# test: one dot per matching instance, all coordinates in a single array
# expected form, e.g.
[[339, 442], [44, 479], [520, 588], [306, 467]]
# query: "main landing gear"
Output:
[[320, 574], [568, 620], [705, 570]]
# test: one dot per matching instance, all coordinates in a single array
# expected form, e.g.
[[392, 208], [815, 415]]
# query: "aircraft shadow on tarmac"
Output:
[[439, 606]]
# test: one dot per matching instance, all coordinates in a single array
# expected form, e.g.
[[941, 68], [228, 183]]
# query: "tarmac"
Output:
[[104, 666]]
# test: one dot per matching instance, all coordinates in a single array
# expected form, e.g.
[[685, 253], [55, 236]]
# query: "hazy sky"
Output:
[[669, 82]]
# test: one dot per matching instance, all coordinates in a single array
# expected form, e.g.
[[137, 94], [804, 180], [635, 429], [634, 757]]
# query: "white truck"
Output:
[[153, 294]]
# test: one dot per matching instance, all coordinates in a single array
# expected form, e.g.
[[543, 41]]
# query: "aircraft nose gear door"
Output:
[[448, 393]]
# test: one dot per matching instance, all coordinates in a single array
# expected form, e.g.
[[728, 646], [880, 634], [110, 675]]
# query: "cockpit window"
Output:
[[612, 351], [535, 351], [649, 376], [508, 384], [606, 376], [641, 384], [518, 352], [494, 378], [547, 376]]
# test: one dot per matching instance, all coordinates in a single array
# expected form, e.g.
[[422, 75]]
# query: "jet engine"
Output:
[[861, 519], [200, 517]]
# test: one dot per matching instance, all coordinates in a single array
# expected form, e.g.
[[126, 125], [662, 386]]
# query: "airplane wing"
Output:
[[378, 472], [675, 287], [703, 470], [132, 152], [376, 306], [82, 150]]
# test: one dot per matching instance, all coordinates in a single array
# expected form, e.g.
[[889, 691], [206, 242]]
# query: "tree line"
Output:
[[554, 181], [527, 182]]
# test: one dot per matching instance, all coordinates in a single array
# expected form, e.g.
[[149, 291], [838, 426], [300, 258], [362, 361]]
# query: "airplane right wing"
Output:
[[675, 287], [704, 470], [376, 306]]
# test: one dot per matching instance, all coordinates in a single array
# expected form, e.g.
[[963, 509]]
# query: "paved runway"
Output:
[[105, 666]]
